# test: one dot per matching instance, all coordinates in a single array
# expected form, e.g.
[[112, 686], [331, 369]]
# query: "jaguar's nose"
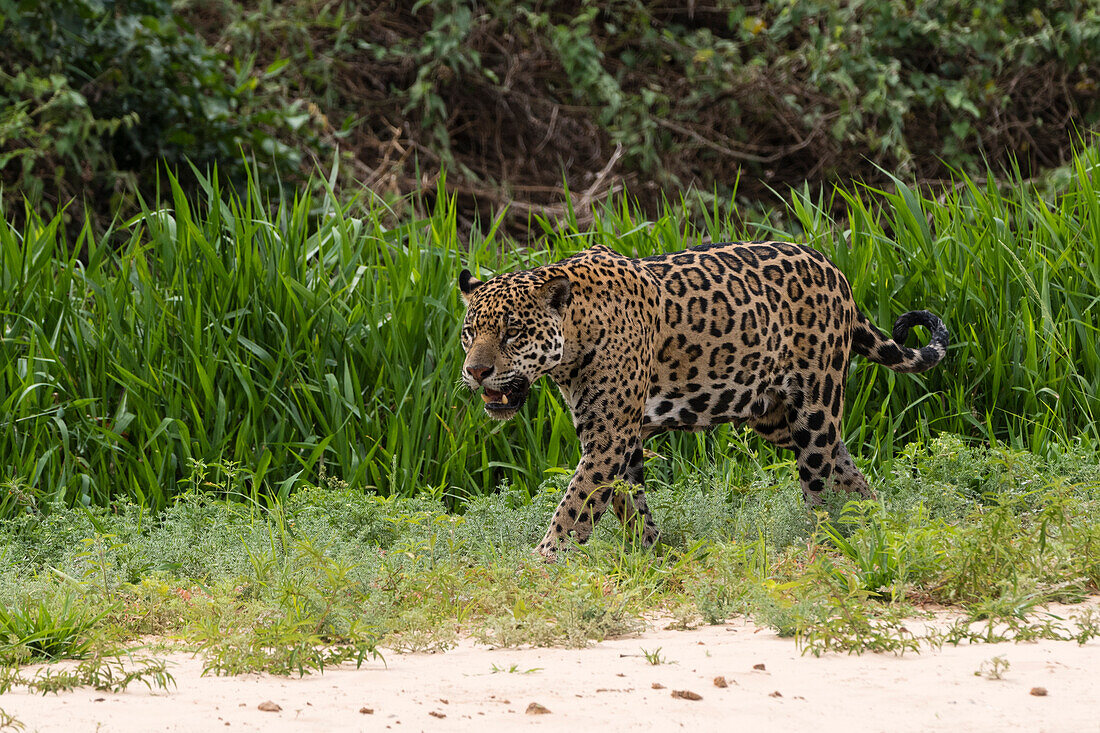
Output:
[[479, 371]]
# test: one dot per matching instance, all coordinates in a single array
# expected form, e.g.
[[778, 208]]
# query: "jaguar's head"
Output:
[[513, 334]]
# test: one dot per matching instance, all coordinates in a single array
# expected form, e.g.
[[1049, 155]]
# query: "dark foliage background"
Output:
[[517, 99]]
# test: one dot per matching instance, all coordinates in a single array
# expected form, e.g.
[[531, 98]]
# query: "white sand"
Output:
[[610, 687]]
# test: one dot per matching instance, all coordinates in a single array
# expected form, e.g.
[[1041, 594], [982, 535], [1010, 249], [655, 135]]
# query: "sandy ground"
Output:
[[612, 687]]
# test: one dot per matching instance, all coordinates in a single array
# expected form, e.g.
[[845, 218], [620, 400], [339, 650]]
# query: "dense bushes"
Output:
[[94, 94], [509, 95], [514, 96]]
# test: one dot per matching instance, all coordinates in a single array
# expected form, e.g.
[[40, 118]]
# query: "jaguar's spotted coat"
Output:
[[757, 334]]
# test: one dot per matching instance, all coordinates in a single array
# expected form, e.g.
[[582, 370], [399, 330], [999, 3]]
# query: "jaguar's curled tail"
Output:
[[868, 341]]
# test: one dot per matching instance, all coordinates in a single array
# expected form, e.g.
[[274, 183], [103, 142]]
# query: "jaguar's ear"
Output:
[[556, 293], [467, 283]]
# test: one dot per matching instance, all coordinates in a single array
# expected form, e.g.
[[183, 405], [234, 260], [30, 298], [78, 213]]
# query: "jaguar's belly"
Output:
[[693, 406]]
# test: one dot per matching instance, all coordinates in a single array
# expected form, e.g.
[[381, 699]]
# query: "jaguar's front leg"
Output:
[[589, 492], [629, 502]]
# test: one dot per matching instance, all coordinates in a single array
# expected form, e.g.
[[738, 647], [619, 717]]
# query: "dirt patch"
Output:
[[612, 686]]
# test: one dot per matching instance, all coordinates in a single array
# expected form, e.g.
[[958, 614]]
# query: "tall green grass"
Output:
[[234, 345]]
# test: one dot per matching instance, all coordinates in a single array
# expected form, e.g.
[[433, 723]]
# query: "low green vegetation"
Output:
[[329, 574]]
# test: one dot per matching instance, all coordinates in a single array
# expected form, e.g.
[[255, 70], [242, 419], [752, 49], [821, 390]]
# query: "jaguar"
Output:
[[757, 334]]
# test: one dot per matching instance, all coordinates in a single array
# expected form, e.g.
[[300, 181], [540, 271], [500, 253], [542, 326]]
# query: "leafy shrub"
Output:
[[96, 93], [510, 95]]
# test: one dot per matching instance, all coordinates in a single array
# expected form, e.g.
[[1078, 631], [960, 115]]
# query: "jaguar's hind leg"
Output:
[[823, 459], [846, 477], [808, 422]]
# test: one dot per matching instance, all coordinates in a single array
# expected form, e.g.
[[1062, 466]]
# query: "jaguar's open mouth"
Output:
[[503, 403]]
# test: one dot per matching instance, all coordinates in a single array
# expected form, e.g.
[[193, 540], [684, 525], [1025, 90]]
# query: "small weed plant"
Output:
[[515, 669], [108, 673], [993, 668]]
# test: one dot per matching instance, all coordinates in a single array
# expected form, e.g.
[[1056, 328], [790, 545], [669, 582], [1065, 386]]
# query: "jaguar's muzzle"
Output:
[[505, 402]]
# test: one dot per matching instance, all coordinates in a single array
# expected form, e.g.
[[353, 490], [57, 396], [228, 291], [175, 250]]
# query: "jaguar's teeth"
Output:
[[504, 399], [486, 398]]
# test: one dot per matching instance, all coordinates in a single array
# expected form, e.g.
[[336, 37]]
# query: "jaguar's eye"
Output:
[[512, 333]]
